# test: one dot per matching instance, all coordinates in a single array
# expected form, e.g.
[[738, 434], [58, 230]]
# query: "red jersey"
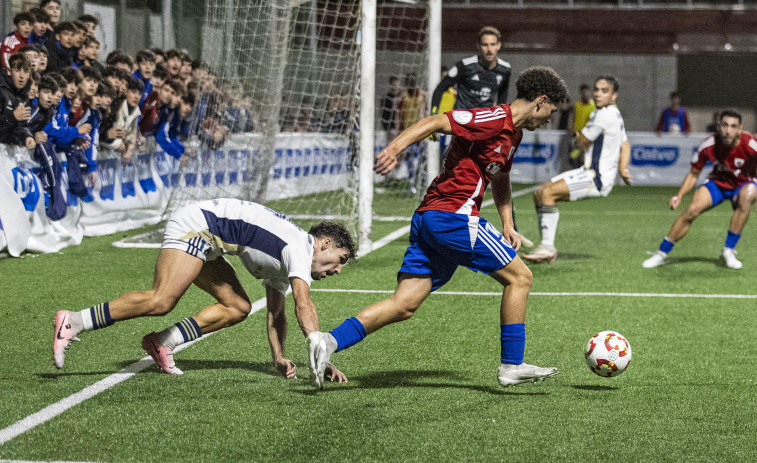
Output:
[[732, 167], [11, 44], [483, 144]]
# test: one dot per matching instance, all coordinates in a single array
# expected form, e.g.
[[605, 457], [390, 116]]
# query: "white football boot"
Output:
[[542, 254], [320, 347], [657, 259], [510, 375], [729, 255]]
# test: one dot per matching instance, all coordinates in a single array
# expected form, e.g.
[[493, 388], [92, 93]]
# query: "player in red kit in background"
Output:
[[733, 153]]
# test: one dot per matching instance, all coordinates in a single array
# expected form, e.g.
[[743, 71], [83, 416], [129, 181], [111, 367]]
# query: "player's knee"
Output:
[[239, 311], [691, 213], [162, 305], [524, 279]]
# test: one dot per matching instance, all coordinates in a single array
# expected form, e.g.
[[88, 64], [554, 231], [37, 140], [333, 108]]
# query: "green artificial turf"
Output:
[[421, 390]]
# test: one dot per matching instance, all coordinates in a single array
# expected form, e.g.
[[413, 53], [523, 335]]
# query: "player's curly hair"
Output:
[[541, 80], [338, 233]]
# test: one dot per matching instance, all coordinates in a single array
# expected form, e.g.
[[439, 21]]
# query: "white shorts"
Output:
[[581, 184], [187, 230]]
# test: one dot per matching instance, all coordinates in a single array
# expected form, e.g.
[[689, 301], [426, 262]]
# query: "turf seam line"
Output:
[[565, 293]]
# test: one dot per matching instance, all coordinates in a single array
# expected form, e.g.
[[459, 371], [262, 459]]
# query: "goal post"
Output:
[[299, 86]]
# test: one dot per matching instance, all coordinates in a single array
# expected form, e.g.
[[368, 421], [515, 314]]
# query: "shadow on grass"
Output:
[[190, 364], [573, 256], [419, 379], [593, 387], [686, 260], [184, 365], [73, 373]]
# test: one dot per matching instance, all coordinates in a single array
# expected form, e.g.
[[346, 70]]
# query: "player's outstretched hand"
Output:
[[332, 374], [513, 238], [385, 162], [287, 368], [674, 202], [625, 174]]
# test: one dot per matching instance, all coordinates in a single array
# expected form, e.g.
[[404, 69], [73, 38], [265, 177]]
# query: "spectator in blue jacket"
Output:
[[146, 67], [58, 129], [39, 26], [176, 127]]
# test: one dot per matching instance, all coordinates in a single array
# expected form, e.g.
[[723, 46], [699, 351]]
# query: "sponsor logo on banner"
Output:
[[462, 117], [26, 186], [648, 155], [535, 153]]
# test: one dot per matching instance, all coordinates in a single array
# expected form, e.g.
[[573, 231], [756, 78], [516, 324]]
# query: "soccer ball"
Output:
[[608, 353]]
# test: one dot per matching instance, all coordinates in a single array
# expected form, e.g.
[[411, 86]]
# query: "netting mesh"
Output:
[[284, 81]]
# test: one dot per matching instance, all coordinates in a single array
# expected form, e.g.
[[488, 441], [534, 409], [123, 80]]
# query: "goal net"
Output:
[[278, 116]]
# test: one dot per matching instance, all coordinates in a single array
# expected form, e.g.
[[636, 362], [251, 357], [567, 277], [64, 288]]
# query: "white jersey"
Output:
[[271, 247], [607, 132]]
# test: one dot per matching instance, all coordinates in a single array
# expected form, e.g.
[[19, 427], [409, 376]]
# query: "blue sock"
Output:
[[732, 239], [666, 246], [100, 316], [349, 333], [513, 338], [189, 329]]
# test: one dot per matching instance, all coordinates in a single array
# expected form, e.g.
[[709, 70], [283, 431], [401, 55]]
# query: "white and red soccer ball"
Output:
[[608, 353]]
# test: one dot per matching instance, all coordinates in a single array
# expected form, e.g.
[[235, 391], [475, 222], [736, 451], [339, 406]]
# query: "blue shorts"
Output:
[[720, 194], [440, 241]]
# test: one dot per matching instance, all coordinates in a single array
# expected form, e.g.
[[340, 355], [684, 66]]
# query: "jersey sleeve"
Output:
[[598, 123], [298, 261], [477, 124], [700, 157]]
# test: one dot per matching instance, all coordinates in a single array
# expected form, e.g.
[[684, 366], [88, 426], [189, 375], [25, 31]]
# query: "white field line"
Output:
[[128, 244], [61, 406], [537, 293], [90, 391]]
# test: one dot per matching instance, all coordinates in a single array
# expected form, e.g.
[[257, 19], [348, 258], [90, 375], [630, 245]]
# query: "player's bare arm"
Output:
[[581, 142], [304, 308], [625, 159], [277, 332], [688, 183], [502, 194], [307, 317], [387, 158]]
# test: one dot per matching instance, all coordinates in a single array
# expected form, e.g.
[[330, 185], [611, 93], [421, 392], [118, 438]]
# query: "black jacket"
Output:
[[10, 97], [58, 57]]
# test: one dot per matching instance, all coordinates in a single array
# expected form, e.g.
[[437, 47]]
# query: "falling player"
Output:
[[607, 152], [733, 153], [197, 236]]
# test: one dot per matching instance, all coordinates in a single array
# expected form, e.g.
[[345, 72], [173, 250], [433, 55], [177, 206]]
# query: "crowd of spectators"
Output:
[[59, 98]]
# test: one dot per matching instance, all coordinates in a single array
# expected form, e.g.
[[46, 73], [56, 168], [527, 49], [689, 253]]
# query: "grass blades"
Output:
[[421, 390]]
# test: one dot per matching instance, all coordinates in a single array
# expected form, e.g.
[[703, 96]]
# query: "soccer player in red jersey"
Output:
[[447, 230], [733, 153]]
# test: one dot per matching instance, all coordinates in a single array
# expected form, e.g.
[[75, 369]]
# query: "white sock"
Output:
[[84, 320], [171, 337], [548, 217]]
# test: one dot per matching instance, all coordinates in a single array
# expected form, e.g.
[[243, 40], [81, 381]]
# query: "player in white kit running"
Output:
[[197, 236], [606, 153]]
